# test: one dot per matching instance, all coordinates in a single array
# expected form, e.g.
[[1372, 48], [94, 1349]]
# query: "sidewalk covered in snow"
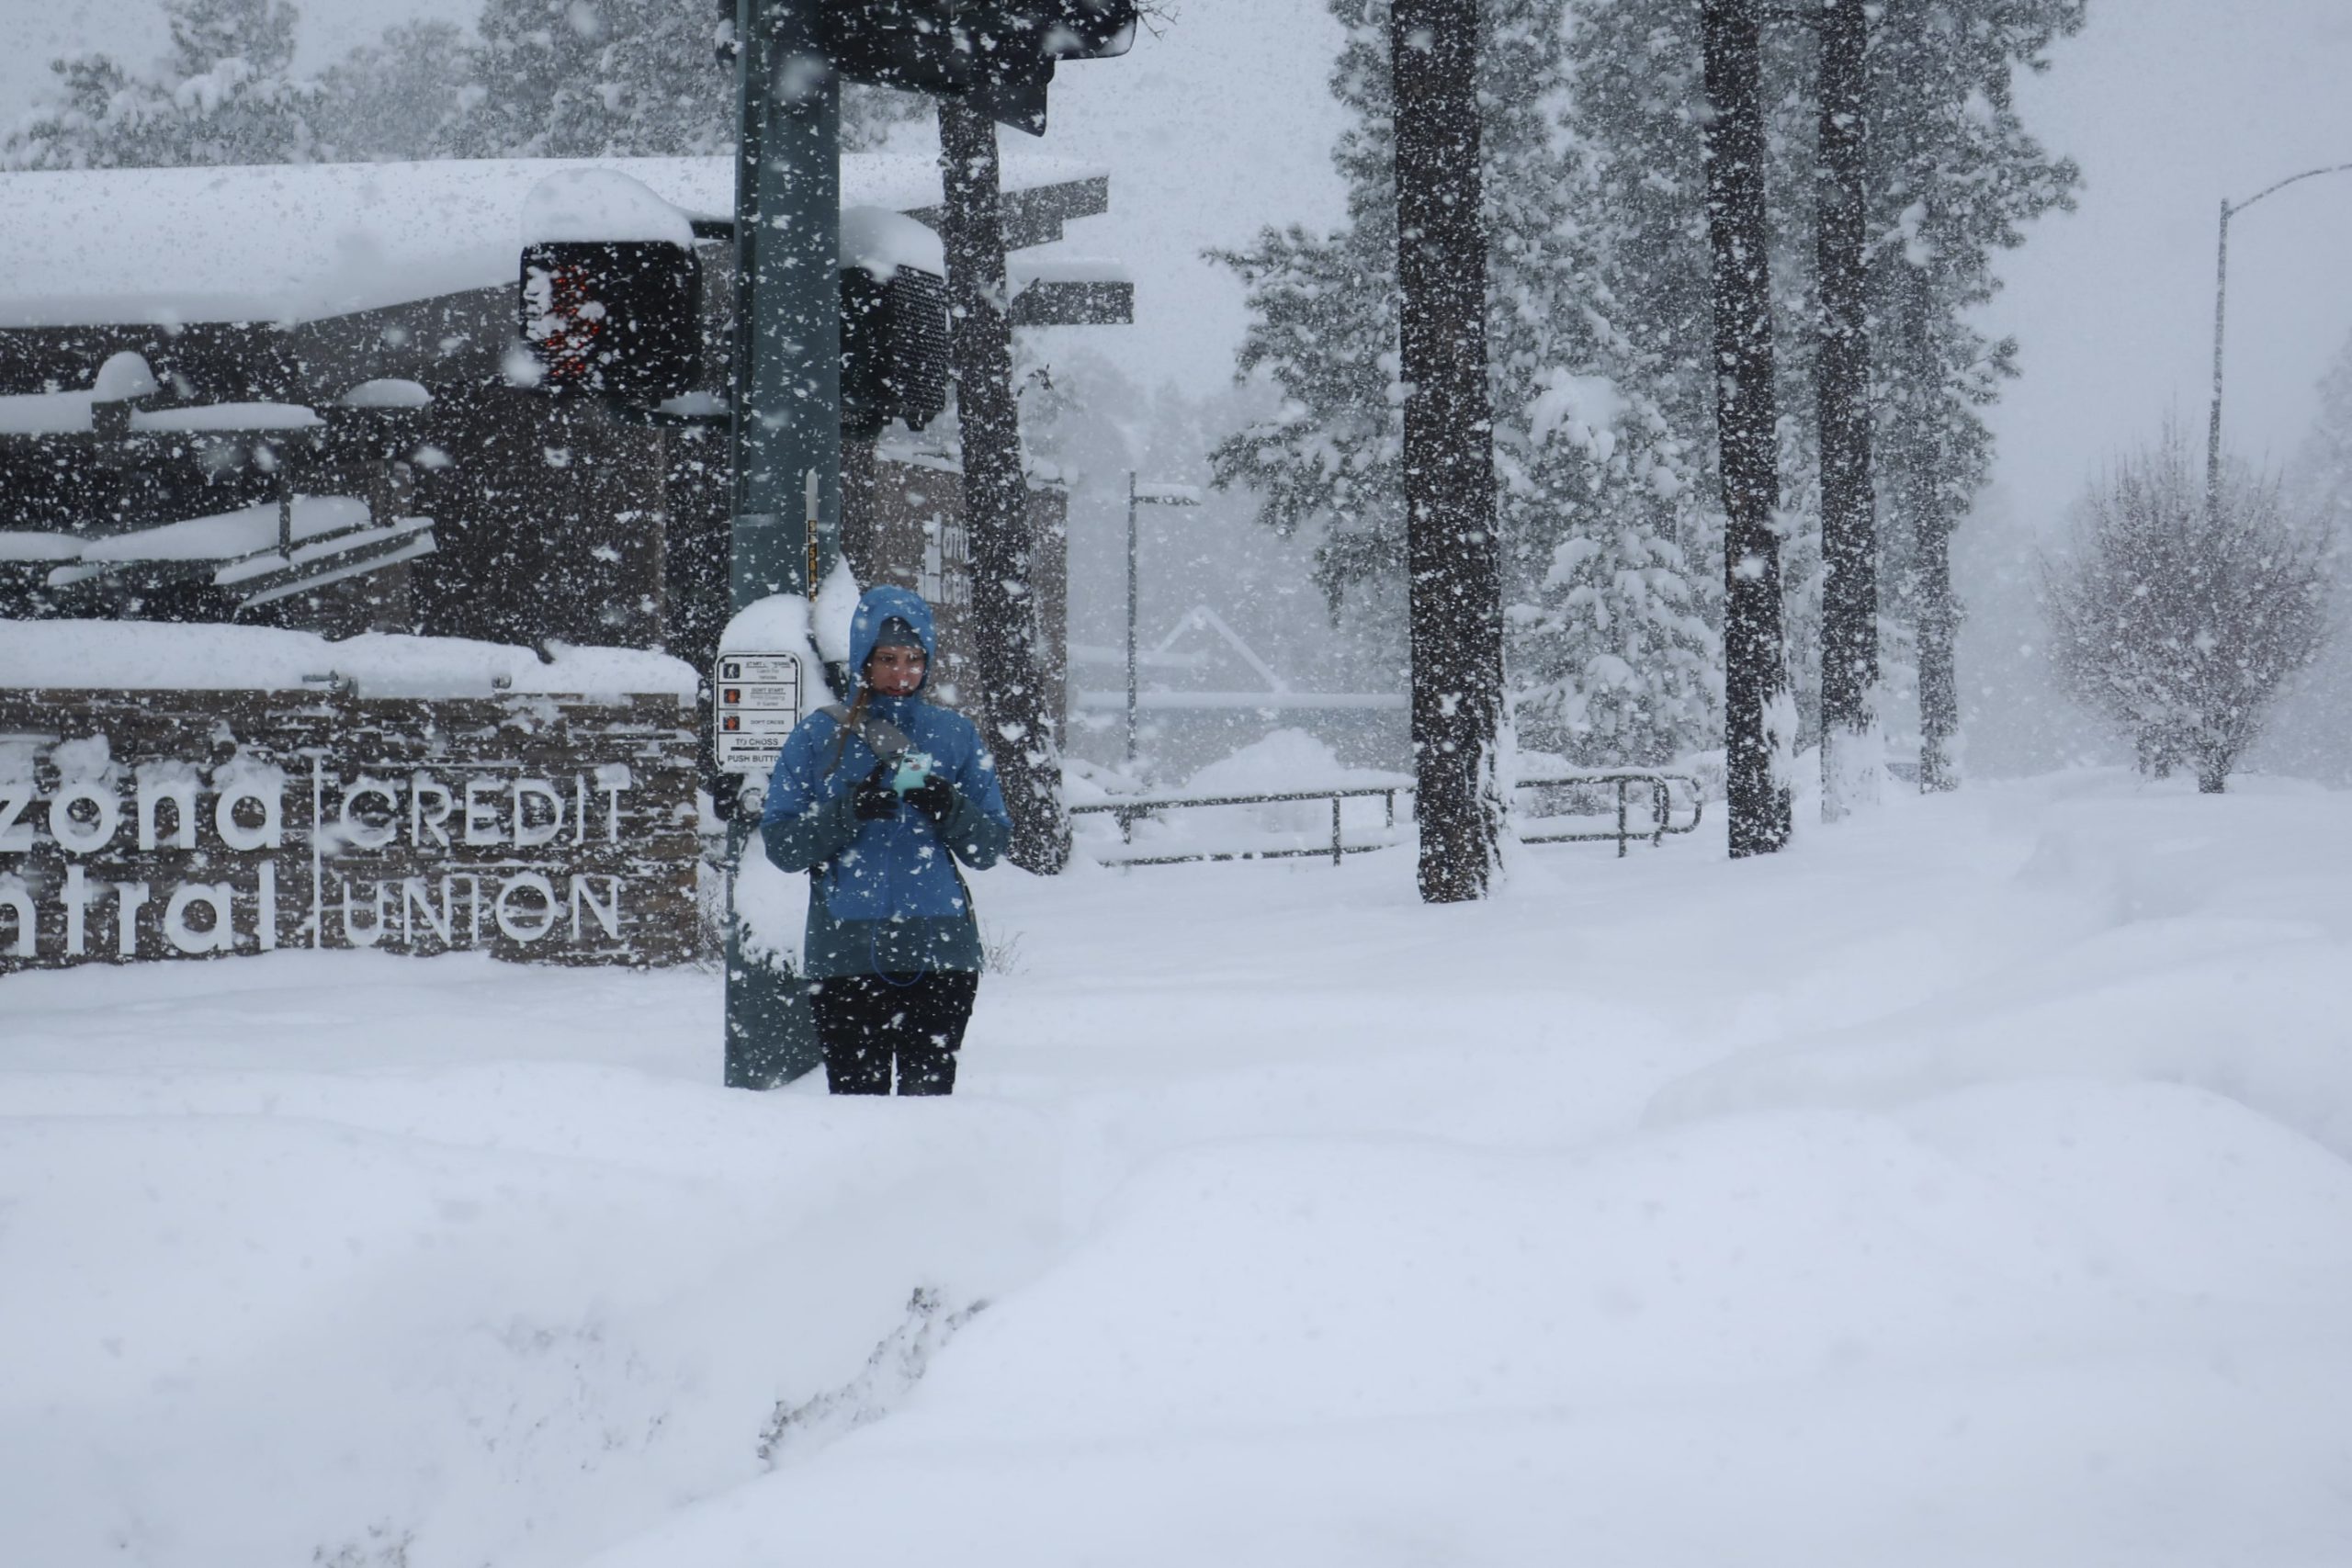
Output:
[[1989, 1199]]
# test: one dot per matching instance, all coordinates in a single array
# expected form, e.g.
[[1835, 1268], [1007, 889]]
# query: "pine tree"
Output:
[[2322, 476], [1841, 384], [1957, 178], [1951, 179], [1757, 713], [618, 79], [224, 94], [1019, 722], [1323, 327], [1612, 651], [1453, 593], [398, 98], [594, 78]]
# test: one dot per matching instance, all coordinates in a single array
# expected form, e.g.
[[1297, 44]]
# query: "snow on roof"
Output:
[[300, 241], [228, 534], [148, 656], [600, 204]]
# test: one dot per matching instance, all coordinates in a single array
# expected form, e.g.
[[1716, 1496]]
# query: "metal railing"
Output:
[[1138, 808], [1661, 787]]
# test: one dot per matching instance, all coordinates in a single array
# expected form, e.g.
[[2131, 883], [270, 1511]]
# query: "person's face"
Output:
[[894, 672]]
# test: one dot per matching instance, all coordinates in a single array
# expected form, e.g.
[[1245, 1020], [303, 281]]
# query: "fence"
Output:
[[1661, 788]]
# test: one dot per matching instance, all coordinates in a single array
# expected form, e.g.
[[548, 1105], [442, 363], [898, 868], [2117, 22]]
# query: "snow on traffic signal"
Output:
[[997, 55]]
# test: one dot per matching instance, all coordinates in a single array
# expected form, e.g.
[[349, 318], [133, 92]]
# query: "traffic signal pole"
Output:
[[785, 428], [791, 56]]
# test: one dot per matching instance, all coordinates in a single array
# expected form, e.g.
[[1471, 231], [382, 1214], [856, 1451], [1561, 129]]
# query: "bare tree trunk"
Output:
[[1451, 554], [1755, 695], [1015, 715], [1937, 615], [1848, 513]]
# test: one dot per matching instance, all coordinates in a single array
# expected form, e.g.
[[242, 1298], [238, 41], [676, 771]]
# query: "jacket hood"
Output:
[[877, 606]]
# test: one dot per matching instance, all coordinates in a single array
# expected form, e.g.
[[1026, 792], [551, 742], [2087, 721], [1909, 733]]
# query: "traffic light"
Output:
[[621, 317], [894, 350], [1014, 45], [997, 55]]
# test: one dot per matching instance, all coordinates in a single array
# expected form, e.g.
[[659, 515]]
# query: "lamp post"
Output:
[[1138, 497], [2221, 288]]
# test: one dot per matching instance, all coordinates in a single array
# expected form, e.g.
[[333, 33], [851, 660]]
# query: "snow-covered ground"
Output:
[[1967, 1186]]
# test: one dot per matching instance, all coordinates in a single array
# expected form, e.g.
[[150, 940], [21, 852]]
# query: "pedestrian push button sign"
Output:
[[758, 698]]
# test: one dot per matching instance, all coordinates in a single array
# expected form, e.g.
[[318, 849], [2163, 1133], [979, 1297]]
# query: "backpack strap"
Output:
[[888, 741]]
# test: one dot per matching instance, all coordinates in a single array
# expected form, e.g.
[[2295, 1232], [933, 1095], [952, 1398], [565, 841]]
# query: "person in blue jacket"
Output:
[[877, 802]]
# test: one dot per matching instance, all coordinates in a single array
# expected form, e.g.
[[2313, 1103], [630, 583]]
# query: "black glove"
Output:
[[874, 799], [936, 798]]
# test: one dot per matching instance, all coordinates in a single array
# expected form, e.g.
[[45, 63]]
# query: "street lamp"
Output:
[[1139, 496], [2221, 285]]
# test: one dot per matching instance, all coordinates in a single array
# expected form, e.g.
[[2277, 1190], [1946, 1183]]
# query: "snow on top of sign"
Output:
[[124, 376], [227, 416], [299, 242], [777, 624], [836, 610], [600, 204], [143, 656], [388, 392], [882, 242]]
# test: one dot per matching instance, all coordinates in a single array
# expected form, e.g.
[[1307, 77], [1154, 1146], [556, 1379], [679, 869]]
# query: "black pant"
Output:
[[866, 1021]]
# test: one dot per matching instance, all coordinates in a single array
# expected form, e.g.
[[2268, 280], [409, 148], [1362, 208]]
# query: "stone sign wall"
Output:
[[183, 824]]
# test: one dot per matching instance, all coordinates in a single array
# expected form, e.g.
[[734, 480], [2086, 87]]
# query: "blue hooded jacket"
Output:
[[885, 897]]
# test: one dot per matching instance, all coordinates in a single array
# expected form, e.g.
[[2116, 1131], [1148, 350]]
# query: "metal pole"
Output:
[[1131, 596], [2221, 287], [787, 424], [2213, 432]]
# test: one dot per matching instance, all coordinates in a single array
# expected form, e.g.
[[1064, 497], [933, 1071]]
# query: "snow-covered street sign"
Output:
[[757, 698]]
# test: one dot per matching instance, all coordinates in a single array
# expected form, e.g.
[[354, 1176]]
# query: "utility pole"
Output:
[[2221, 306], [1134, 593], [791, 57], [786, 432], [1138, 497]]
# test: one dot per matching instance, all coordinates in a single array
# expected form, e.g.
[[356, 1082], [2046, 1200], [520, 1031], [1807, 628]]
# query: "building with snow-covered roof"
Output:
[[293, 342]]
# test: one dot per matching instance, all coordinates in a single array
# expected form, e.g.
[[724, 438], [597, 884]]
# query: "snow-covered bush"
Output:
[[2180, 613]]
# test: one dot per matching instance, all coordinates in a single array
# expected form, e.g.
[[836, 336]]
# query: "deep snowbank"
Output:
[[1970, 1184]]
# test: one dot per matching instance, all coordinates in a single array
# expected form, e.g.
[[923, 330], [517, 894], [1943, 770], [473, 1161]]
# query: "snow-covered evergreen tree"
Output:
[[1613, 654], [2321, 479], [1954, 179], [1959, 178], [594, 78], [1323, 329], [396, 98], [224, 94], [618, 78]]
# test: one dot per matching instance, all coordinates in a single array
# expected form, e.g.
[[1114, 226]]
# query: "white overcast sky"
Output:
[[1223, 125]]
